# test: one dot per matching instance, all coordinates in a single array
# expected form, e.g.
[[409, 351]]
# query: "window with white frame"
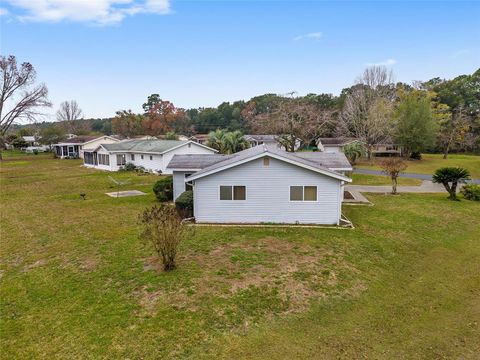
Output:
[[151, 157], [132, 157], [103, 159], [120, 160], [303, 193], [141, 157], [235, 192]]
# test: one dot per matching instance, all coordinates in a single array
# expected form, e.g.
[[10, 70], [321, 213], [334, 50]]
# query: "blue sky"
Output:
[[111, 54]]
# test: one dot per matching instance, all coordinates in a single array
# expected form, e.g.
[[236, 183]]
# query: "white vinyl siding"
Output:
[[179, 185], [268, 198]]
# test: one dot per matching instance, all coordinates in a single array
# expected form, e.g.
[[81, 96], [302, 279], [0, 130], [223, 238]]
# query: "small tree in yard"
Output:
[[450, 177], [163, 230], [393, 167]]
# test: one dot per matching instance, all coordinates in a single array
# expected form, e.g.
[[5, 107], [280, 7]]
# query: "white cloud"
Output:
[[314, 35], [387, 62], [3, 12], [101, 12]]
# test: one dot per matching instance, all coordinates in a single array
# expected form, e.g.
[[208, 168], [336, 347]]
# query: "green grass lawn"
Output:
[[432, 162], [364, 179], [77, 283]]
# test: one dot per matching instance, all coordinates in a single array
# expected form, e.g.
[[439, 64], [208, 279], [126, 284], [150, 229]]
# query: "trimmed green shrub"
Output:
[[129, 167], [35, 151], [184, 204], [416, 155], [471, 192], [163, 189]]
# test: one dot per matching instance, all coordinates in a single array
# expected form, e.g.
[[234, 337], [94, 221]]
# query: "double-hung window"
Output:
[[132, 157], [303, 193], [235, 192]]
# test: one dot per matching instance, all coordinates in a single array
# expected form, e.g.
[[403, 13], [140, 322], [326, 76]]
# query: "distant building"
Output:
[[74, 147], [152, 155], [255, 140], [199, 138]]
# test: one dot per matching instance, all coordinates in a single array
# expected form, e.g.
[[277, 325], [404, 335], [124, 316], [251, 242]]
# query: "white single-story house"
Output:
[[30, 140], [75, 147], [152, 155], [264, 184]]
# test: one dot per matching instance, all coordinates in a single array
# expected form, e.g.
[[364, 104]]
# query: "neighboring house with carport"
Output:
[[152, 155], [333, 145], [74, 147], [264, 184]]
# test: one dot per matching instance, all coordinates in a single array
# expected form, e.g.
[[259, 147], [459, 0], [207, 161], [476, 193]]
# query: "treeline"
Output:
[[436, 115]]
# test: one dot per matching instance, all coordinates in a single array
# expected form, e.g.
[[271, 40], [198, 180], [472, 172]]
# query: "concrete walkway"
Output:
[[403, 174]]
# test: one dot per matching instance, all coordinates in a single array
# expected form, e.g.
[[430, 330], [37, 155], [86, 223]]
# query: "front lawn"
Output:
[[77, 283], [432, 162]]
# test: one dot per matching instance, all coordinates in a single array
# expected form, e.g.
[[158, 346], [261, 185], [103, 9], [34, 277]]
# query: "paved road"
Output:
[[425, 187], [405, 175]]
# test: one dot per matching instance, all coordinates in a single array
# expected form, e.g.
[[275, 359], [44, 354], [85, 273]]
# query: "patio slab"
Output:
[[118, 194]]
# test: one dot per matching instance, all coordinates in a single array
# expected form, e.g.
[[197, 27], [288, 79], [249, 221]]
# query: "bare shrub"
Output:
[[393, 167], [163, 230]]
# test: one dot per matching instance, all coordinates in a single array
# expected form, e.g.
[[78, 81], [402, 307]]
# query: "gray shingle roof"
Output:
[[150, 146], [195, 161], [318, 160], [328, 160]]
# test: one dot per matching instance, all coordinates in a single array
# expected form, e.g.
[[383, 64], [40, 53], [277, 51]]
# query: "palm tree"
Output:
[[216, 140], [354, 151], [452, 175], [227, 142], [234, 142]]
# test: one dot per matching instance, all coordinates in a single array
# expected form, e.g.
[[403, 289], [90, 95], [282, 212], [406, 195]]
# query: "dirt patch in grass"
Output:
[[244, 282]]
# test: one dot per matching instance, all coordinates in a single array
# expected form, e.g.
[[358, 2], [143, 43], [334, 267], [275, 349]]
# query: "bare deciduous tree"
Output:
[[392, 167], [164, 230], [292, 120], [367, 113], [19, 98], [68, 112]]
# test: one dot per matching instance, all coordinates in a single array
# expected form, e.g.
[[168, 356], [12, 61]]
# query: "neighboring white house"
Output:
[[264, 184], [153, 155], [336, 145], [74, 147], [30, 140]]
